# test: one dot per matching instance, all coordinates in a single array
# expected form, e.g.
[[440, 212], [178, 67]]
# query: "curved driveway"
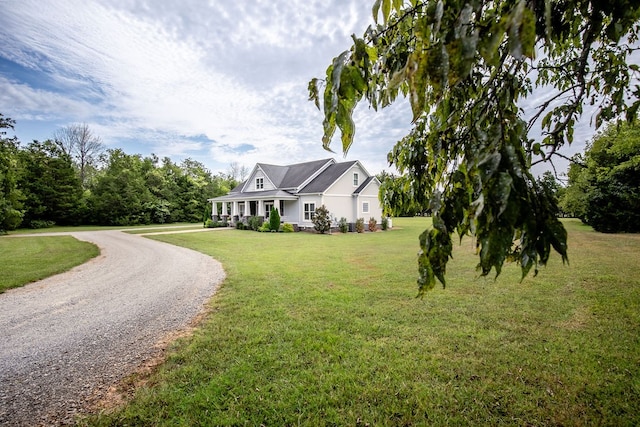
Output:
[[71, 336]]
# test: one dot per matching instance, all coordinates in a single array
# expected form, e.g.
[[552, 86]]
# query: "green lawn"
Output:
[[27, 259], [325, 330], [131, 228]]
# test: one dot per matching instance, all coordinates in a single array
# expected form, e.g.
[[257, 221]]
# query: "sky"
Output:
[[216, 81]]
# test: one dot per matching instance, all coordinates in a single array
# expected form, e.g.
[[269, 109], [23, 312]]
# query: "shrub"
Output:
[[287, 228], [360, 225], [255, 222], [373, 224], [41, 223], [343, 225], [322, 220], [242, 226], [264, 227], [274, 220], [385, 223]]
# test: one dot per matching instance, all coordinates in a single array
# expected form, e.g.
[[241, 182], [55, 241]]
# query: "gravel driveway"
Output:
[[68, 338]]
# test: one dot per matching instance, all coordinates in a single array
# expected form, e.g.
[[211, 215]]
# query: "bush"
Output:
[[41, 223], [287, 228], [385, 223], [360, 225], [264, 227], [373, 224], [322, 220], [255, 222], [274, 220], [241, 226], [343, 225], [209, 223]]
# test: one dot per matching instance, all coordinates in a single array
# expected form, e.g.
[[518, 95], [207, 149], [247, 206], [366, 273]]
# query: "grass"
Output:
[[325, 330], [132, 228], [27, 259]]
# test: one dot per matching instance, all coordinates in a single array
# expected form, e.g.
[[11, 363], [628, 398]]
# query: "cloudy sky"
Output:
[[216, 81]]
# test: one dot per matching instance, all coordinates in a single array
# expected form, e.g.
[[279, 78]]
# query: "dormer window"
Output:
[[356, 179], [259, 183]]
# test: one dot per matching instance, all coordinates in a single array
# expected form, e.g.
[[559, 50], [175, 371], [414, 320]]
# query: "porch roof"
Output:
[[255, 195]]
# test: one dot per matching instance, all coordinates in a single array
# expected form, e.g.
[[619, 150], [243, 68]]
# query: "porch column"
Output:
[[276, 205], [234, 208], [225, 210], [260, 208], [214, 209]]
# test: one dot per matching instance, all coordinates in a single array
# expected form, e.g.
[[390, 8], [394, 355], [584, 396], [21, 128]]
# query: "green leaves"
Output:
[[345, 86], [385, 6], [465, 67]]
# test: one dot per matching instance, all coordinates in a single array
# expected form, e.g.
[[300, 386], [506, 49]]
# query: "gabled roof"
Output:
[[290, 177], [274, 173], [300, 178], [364, 184], [293, 176], [330, 175]]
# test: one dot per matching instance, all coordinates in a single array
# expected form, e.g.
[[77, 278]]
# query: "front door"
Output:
[[267, 208]]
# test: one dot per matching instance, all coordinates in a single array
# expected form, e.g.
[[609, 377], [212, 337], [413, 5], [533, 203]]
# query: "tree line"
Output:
[[601, 186], [73, 180]]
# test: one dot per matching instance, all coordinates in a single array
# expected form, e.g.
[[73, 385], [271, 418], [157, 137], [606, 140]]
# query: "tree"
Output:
[[80, 144], [50, 184], [238, 172], [10, 195], [574, 200], [321, 220], [274, 220], [605, 189], [120, 195], [466, 67], [553, 189], [195, 186]]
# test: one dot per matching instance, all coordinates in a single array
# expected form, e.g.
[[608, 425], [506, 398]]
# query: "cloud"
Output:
[[163, 73]]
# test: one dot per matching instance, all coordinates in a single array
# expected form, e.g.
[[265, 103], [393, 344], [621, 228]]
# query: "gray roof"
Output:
[[274, 173], [327, 177], [254, 195], [292, 176], [364, 184]]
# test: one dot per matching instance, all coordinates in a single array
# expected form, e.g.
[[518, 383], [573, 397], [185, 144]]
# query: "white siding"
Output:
[[317, 200], [266, 184], [340, 206], [344, 185], [370, 195]]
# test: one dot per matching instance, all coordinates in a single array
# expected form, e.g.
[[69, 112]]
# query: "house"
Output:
[[346, 189]]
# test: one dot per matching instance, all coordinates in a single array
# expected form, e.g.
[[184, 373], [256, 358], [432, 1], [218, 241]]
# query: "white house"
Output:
[[346, 189]]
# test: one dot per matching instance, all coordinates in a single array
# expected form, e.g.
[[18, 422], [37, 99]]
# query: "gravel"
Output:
[[69, 338]]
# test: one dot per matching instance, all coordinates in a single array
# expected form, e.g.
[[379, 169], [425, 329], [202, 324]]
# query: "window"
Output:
[[281, 212], [259, 183], [267, 209], [309, 211], [356, 179], [365, 207]]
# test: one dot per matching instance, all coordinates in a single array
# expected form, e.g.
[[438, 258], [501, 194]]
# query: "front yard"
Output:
[[325, 330]]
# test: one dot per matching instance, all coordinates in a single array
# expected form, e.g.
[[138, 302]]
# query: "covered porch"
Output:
[[234, 209]]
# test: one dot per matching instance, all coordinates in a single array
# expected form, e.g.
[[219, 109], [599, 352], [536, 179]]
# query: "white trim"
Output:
[[249, 184], [311, 211], [350, 169], [315, 175]]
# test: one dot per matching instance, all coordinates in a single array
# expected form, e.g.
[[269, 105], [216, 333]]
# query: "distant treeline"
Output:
[[72, 180]]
